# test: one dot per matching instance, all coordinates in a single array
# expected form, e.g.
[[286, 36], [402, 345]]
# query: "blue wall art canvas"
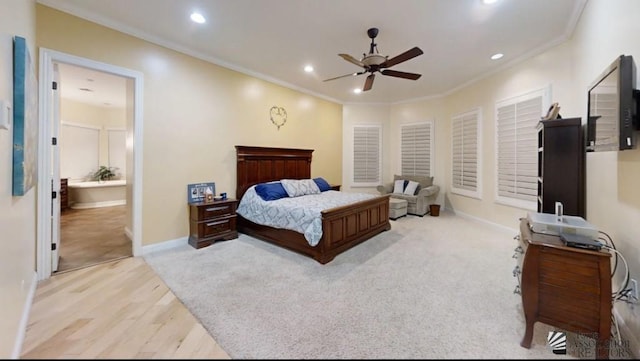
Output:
[[25, 119]]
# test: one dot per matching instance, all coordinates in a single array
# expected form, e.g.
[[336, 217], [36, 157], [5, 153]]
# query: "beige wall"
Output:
[[103, 118], [613, 198], [17, 214], [607, 30], [194, 114]]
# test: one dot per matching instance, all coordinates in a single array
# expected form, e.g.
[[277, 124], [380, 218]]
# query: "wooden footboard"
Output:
[[345, 227], [342, 228]]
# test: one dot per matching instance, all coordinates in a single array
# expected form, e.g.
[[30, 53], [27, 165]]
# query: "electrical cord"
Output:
[[622, 292], [610, 241]]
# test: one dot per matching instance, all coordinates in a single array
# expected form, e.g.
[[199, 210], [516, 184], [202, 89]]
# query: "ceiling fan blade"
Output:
[[346, 75], [368, 83], [401, 74], [353, 60], [409, 54]]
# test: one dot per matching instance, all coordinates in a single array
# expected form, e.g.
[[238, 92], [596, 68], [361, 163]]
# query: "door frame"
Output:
[[45, 152]]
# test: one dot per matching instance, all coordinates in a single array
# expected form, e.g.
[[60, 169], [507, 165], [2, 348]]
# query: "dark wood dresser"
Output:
[[212, 221], [565, 287]]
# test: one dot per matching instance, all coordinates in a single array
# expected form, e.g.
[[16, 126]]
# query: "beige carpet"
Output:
[[431, 287]]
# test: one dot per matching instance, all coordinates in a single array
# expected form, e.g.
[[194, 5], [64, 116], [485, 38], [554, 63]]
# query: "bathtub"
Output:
[[95, 194]]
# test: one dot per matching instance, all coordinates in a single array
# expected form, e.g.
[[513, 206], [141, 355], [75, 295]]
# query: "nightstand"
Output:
[[212, 221], [335, 187]]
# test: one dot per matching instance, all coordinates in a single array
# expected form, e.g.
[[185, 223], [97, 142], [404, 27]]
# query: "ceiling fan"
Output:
[[374, 62]]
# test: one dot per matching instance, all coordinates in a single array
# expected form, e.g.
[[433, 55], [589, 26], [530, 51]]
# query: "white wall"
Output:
[[17, 214]]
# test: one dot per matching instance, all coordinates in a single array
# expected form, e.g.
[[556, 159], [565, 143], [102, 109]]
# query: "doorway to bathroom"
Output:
[[92, 167], [77, 226]]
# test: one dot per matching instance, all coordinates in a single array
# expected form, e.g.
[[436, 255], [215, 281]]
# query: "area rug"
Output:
[[431, 287]]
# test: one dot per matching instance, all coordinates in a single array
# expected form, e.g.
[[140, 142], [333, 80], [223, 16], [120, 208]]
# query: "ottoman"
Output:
[[397, 208]]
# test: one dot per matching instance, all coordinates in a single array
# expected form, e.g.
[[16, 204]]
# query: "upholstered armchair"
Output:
[[419, 200]]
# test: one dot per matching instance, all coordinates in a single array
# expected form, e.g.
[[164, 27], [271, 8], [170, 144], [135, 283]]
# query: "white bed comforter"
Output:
[[300, 214]]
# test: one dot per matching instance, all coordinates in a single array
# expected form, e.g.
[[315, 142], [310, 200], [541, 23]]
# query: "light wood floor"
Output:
[[119, 309], [92, 236]]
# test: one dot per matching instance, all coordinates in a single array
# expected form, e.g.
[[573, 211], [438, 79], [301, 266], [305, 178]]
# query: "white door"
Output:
[[55, 169]]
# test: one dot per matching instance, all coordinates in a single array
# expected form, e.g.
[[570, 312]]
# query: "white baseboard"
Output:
[[128, 233], [628, 335], [165, 245], [24, 320], [98, 204], [512, 231]]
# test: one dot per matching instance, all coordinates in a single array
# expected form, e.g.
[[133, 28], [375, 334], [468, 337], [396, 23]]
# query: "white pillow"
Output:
[[299, 187], [411, 188], [398, 186]]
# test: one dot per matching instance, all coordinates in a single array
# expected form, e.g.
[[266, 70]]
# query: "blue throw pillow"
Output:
[[322, 184], [271, 191]]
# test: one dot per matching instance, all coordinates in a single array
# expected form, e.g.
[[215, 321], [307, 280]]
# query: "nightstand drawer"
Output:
[[213, 210], [216, 226]]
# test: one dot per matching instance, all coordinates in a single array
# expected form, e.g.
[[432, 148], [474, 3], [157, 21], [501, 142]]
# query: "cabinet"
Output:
[[64, 194], [565, 287], [561, 166], [212, 221]]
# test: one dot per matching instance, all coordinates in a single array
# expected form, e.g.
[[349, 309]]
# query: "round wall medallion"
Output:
[[278, 116]]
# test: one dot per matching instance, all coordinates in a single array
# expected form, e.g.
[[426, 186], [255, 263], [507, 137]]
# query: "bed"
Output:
[[342, 227]]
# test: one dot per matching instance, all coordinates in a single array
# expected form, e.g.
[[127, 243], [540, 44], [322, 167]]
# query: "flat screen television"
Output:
[[612, 115]]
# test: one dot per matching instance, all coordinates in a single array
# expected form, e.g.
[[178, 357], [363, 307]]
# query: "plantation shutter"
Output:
[[465, 148], [366, 155], [517, 149], [415, 148]]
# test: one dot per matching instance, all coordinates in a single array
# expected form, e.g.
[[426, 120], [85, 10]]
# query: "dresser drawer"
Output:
[[212, 210]]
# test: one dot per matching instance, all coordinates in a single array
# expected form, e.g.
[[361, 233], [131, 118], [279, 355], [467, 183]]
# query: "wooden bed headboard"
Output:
[[262, 164]]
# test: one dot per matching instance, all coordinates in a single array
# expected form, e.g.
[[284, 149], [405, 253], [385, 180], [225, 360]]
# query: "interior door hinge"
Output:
[[54, 246], [54, 141], [54, 85], [54, 195]]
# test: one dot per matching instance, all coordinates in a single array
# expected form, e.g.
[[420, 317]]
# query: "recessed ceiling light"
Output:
[[357, 90], [308, 68], [496, 56], [197, 18], [489, 2]]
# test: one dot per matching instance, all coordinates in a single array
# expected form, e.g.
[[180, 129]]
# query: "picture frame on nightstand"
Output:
[[198, 192]]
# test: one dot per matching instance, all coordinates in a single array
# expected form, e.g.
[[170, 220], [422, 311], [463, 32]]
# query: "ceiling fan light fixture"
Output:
[[375, 63], [374, 59]]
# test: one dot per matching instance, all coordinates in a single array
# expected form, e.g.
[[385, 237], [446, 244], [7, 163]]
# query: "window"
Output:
[[517, 149], [366, 155], [79, 151], [465, 153], [416, 149]]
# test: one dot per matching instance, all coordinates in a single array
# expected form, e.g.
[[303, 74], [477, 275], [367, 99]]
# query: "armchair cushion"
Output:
[[411, 188], [422, 180]]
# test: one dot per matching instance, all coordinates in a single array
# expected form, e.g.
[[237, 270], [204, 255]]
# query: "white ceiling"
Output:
[[275, 39]]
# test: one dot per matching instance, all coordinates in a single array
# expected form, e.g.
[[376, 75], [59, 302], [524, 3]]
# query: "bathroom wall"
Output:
[[76, 152]]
